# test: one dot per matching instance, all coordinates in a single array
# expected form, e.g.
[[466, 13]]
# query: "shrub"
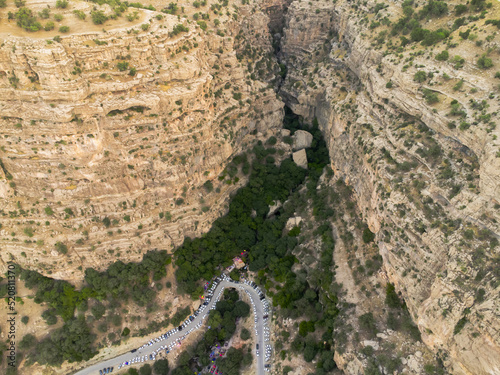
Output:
[[122, 66], [44, 14], [58, 17], [388, 85], [368, 236], [64, 29], [98, 17], [49, 26], [145, 26], [420, 76], [443, 56], [81, 15], [209, 187], [460, 9], [458, 61], [367, 322], [202, 24], [26, 20], [19, 3], [430, 96], [459, 85], [3, 3], [61, 248], [132, 72], [63, 4], [484, 62], [391, 297]]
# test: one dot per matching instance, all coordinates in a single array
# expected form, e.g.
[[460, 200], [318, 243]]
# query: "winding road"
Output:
[[257, 307]]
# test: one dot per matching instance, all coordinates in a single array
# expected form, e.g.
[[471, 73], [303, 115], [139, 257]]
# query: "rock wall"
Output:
[[435, 213], [125, 125]]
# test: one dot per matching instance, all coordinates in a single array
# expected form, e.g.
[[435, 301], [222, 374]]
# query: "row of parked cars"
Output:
[[183, 327], [265, 306]]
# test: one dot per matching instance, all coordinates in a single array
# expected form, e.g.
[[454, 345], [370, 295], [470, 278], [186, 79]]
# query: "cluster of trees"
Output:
[[72, 342], [126, 280], [222, 323], [247, 225], [121, 281], [409, 23]]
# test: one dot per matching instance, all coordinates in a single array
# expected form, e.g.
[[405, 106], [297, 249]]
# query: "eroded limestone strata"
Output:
[[436, 218], [83, 141], [87, 141]]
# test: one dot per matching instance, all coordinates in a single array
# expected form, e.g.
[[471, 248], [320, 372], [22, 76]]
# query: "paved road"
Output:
[[258, 308]]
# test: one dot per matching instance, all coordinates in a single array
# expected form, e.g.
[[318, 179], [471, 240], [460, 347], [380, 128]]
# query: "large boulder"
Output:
[[300, 158], [301, 139]]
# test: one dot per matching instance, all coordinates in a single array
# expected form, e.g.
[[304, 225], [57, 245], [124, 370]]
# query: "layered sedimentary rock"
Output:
[[108, 138], [425, 177]]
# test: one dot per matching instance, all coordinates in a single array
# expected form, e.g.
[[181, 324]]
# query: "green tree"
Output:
[[27, 342], [98, 17], [420, 76], [245, 334], [63, 4], [391, 297], [160, 367], [368, 236], [61, 248], [146, 370], [484, 62]]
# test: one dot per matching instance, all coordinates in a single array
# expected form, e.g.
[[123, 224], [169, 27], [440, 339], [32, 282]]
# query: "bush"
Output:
[[484, 62], [245, 334], [44, 14], [160, 367], [460, 9], [64, 29], [420, 76], [61, 248], [202, 24], [49, 26], [389, 85], [3, 3], [430, 96], [145, 26], [81, 15], [458, 61], [443, 56], [98, 17], [368, 236], [63, 4], [58, 17], [145, 370], [122, 66], [19, 3], [26, 20], [391, 297], [367, 322]]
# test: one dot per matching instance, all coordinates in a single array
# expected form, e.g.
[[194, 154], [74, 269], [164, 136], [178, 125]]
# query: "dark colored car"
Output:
[[180, 328], [133, 350]]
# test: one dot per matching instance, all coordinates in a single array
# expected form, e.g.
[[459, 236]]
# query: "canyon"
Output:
[[100, 163]]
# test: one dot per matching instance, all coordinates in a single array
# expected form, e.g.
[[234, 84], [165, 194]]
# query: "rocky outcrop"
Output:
[[109, 137], [426, 180], [300, 158], [301, 139]]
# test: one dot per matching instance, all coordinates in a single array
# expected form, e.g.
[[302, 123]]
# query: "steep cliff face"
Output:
[[109, 137], [422, 158]]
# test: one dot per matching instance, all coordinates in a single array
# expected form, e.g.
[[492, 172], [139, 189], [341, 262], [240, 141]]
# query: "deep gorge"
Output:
[[407, 204]]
